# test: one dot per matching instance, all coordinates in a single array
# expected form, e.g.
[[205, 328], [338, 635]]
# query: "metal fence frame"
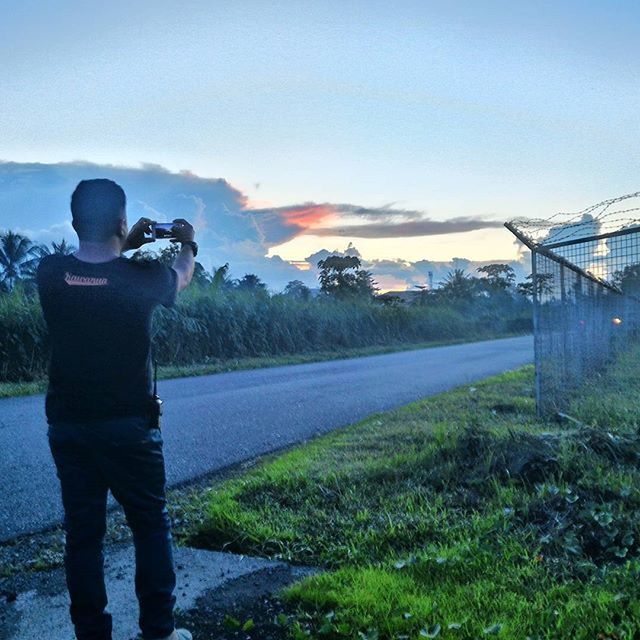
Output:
[[580, 320]]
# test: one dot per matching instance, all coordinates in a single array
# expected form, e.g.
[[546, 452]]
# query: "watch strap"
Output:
[[194, 246]]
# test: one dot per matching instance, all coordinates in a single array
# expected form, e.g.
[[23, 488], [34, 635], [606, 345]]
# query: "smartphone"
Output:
[[161, 230]]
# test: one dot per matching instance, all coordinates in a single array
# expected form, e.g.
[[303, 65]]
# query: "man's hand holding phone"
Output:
[[146, 230], [182, 231], [138, 234]]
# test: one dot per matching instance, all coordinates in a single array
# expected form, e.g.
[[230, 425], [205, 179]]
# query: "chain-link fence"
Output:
[[585, 283]]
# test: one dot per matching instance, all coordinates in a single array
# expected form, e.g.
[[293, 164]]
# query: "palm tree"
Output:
[[221, 281], [458, 285], [17, 256], [30, 266], [62, 248]]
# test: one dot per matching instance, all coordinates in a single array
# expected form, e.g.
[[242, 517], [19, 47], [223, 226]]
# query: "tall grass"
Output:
[[23, 337], [208, 325]]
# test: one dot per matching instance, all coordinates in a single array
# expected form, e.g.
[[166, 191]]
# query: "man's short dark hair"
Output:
[[97, 206]]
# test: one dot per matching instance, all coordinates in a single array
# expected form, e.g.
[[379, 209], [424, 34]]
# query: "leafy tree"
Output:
[[169, 253], [628, 279], [499, 277], [337, 273], [298, 290], [167, 256], [18, 258], [525, 288], [365, 284], [342, 277], [251, 282], [143, 255], [541, 283]]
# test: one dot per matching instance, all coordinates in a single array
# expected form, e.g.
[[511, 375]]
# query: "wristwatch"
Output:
[[194, 246]]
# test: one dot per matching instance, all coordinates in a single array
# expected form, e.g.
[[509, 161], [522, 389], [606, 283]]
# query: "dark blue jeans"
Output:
[[125, 456]]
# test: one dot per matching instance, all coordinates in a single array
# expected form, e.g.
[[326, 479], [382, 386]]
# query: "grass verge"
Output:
[[460, 516], [12, 389]]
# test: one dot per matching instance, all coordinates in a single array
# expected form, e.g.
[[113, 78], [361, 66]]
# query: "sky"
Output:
[[411, 130]]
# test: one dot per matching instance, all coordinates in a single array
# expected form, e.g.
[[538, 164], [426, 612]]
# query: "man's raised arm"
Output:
[[184, 263]]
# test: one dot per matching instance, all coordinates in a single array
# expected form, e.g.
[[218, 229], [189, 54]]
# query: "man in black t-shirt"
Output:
[[98, 306]]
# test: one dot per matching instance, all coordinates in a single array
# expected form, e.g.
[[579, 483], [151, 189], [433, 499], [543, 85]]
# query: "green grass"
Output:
[[460, 516], [11, 389]]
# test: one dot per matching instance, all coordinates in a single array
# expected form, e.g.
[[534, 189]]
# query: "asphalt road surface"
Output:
[[211, 422]]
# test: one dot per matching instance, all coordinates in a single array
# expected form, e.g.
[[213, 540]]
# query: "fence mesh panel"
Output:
[[586, 289]]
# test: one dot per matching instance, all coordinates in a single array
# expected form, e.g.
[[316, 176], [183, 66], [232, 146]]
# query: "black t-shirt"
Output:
[[99, 321]]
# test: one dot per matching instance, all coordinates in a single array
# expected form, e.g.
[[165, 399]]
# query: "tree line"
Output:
[[218, 317]]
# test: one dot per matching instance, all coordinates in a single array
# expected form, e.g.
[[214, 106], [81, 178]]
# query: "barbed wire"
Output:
[[595, 220]]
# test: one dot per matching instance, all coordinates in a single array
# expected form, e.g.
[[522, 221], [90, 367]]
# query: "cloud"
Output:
[[386, 212], [314, 258], [200, 220], [279, 224], [408, 229], [249, 257], [399, 274], [54, 233], [34, 199]]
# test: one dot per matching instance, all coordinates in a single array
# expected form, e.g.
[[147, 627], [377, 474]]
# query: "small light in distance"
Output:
[[617, 321]]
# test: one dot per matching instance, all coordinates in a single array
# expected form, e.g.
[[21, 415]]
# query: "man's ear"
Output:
[[75, 228], [123, 230]]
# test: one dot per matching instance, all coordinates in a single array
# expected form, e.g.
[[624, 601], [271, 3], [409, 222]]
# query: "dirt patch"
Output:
[[248, 608]]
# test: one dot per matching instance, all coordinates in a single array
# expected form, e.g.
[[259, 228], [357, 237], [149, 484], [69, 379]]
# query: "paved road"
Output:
[[214, 421]]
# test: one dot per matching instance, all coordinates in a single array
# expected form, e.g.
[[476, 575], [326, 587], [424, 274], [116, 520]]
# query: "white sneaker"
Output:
[[179, 634]]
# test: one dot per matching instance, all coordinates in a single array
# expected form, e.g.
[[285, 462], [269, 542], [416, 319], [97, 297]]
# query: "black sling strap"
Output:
[[155, 376]]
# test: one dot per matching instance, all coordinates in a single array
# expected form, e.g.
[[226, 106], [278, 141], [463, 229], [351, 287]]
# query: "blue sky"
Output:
[[468, 109]]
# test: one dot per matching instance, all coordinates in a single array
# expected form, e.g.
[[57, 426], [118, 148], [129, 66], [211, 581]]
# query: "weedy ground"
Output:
[[460, 516]]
